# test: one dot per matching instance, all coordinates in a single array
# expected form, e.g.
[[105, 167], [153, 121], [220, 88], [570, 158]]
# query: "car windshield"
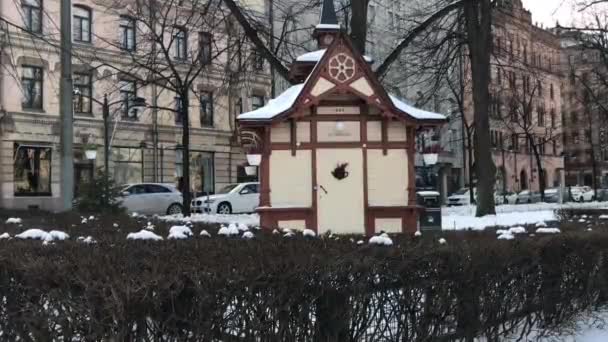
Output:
[[227, 189], [461, 191]]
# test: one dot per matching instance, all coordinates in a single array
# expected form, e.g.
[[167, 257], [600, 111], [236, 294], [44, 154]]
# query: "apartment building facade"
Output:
[[525, 111], [145, 143], [585, 116]]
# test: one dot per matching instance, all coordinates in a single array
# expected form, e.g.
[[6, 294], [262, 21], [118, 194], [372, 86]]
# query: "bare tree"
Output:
[[180, 48]]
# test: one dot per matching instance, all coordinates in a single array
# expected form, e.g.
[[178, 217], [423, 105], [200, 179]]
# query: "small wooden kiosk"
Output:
[[337, 151]]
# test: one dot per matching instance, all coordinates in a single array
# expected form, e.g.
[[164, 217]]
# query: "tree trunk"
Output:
[[186, 151], [470, 165], [478, 15], [539, 167], [358, 24]]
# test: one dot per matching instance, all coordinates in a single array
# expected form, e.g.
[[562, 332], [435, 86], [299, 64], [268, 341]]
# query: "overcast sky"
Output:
[[548, 11]]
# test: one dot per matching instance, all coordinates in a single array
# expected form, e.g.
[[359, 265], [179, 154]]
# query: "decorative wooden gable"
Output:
[[342, 70]]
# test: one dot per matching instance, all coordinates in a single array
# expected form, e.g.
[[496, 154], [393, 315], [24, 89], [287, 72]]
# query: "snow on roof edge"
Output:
[[417, 113], [328, 26], [275, 106]]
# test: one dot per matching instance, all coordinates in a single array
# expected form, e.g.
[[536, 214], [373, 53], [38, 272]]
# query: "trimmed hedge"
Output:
[[275, 289]]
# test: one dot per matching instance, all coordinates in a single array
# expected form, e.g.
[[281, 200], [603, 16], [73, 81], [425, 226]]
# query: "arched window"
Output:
[[81, 24]]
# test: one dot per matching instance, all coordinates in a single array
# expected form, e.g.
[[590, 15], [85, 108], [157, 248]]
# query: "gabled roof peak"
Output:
[[328, 15]]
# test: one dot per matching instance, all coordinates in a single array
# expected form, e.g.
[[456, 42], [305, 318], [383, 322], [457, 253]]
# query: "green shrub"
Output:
[[101, 195]]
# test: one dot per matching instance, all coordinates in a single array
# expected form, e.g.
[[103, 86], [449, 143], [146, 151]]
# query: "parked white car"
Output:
[[152, 198], [507, 197], [232, 199], [581, 194], [461, 197]]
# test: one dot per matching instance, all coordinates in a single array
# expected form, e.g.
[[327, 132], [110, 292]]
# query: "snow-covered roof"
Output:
[[415, 112], [316, 56], [328, 26], [275, 106], [287, 99]]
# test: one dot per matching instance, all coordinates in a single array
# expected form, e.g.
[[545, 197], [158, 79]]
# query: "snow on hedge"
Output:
[[517, 230], [506, 236], [548, 231], [246, 220], [179, 232], [13, 220], [5, 236], [382, 240], [144, 235], [39, 234]]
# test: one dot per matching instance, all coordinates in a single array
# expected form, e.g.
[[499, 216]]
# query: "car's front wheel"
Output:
[[224, 208], [174, 209]]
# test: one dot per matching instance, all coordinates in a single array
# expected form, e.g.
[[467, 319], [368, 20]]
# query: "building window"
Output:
[[575, 138], [499, 76], [31, 85], [553, 119], [179, 110], [205, 41], [128, 92], [128, 165], [180, 40], [551, 92], [514, 142], [257, 101], [540, 88], [82, 93], [32, 15], [540, 110], [32, 170], [81, 24], [127, 34], [206, 109], [574, 117], [588, 135], [257, 60]]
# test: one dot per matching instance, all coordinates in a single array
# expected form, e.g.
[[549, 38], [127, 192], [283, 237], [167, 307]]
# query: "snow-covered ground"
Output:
[[458, 218], [453, 218]]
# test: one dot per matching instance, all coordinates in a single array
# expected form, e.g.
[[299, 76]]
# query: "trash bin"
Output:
[[430, 216]]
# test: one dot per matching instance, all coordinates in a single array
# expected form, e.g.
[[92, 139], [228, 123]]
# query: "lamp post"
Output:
[[136, 102]]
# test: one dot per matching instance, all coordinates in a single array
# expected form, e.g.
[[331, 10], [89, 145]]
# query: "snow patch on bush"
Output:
[[248, 235], [382, 240], [309, 233], [39, 234], [5, 236], [548, 231], [88, 240], [517, 230], [205, 233], [13, 220], [144, 235], [506, 236], [179, 232], [442, 241]]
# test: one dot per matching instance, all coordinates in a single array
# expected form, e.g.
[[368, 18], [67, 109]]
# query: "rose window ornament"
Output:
[[342, 67]]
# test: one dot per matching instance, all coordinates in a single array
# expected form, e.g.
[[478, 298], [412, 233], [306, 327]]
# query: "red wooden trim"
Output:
[[369, 227], [293, 136], [313, 156], [265, 169], [384, 134], [411, 184]]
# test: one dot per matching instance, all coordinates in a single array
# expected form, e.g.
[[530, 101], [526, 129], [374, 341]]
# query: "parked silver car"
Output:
[[152, 198], [528, 196]]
